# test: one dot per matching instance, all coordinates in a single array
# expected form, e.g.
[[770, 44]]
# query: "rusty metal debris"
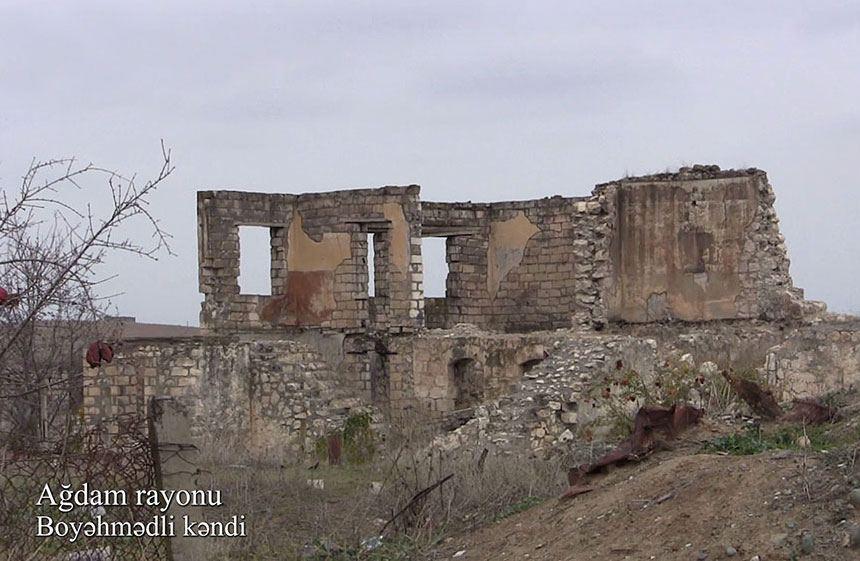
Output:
[[99, 352], [576, 490], [811, 412], [649, 421], [761, 400], [335, 449]]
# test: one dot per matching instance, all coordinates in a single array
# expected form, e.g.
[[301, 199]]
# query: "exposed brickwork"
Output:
[[319, 259], [700, 244], [550, 280]]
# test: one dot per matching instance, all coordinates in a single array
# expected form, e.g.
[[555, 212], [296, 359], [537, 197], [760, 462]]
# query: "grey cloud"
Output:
[[827, 19], [541, 79]]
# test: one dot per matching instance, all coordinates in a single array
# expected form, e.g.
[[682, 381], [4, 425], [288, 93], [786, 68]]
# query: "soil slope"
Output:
[[685, 505]]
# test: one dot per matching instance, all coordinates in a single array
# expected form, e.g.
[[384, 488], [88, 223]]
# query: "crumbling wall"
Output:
[[561, 402], [521, 266], [319, 269], [697, 245], [272, 396], [460, 369], [552, 404], [815, 360]]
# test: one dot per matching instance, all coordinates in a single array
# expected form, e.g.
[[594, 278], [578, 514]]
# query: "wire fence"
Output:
[[90, 462]]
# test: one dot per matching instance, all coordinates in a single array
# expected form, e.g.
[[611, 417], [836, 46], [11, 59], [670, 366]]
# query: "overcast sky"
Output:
[[471, 100]]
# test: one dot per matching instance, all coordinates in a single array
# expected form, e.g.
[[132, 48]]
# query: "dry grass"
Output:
[[288, 518]]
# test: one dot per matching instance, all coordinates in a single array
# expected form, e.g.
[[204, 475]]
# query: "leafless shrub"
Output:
[[484, 485], [52, 247], [360, 502]]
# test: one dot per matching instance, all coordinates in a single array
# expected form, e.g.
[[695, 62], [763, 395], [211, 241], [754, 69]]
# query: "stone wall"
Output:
[[272, 396], [552, 403], [319, 269], [556, 290], [461, 368], [560, 403], [815, 360], [522, 266], [698, 245], [279, 396]]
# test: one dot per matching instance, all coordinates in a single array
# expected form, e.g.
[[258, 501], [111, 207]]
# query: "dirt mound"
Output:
[[685, 506]]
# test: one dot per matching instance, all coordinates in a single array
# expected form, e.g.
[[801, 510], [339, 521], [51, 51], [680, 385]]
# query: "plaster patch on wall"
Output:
[[678, 249], [393, 212], [309, 295], [306, 254], [506, 247]]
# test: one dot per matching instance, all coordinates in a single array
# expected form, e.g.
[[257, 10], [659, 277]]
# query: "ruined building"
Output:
[[601, 273]]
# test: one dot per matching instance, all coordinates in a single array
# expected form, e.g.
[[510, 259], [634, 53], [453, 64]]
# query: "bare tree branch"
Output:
[[51, 252]]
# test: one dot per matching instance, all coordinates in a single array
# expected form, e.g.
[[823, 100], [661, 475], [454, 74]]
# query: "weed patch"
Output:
[[756, 440], [520, 506], [399, 548]]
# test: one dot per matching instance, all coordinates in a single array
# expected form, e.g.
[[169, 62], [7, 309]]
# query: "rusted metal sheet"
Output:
[[648, 423], [97, 353], [760, 400], [335, 449], [576, 490], [810, 411]]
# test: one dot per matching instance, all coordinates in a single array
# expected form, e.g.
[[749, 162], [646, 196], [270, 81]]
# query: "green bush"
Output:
[[358, 439], [520, 506], [359, 442]]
